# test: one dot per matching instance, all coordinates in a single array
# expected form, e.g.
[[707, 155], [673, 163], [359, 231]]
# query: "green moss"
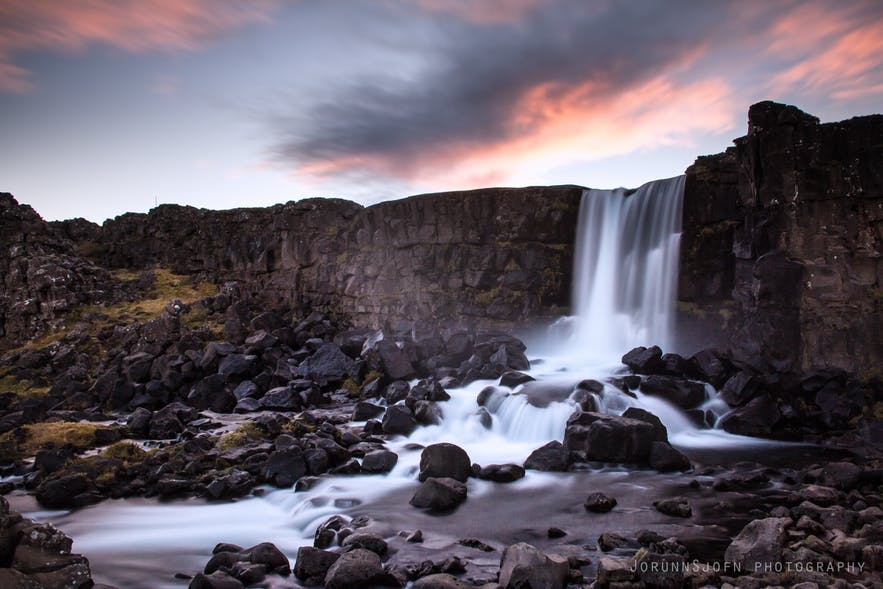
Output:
[[28, 439], [243, 434], [125, 451], [21, 388]]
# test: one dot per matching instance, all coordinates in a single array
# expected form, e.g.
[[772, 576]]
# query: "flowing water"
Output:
[[624, 293]]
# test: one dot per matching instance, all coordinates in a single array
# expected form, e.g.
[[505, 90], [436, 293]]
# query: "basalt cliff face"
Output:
[[496, 257], [780, 258], [782, 248]]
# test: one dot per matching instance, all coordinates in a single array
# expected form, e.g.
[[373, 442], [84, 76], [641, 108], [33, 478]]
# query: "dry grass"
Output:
[[125, 451], [245, 433], [38, 436], [21, 388]]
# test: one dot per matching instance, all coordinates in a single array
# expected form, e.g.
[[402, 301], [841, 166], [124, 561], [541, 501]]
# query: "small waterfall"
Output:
[[626, 267]]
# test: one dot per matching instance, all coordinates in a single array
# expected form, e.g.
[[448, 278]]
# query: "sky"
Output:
[[109, 106]]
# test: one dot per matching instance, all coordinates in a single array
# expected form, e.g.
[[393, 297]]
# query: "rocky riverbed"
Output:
[[349, 425]]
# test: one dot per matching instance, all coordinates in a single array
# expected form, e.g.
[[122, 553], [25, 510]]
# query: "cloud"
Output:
[[536, 84], [502, 86], [131, 25]]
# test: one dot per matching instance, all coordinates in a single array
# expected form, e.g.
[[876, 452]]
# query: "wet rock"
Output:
[[680, 392], [760, 542], [757, 418], [427, 413], [216, 580], [523, 565], [444, 461], [841, 475], [739, 389], [266, 553], [551, 457], [440, 581], [644, 360], [439, 494], [513, 378], [608, 438], [501, 473], [398, 420], [599, 503], [491, 398], [285, 467], [365, 411], [614, 571], [327, 365], [379, 461], [609, 541], [356, 569], [659, 430], [674, 506], [660, 571], [366, 540], [665, 458], [707, 365], [312, 564], [62, 492]]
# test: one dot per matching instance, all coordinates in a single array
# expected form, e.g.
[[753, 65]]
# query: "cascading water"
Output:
[[626, 266], [624, 292]]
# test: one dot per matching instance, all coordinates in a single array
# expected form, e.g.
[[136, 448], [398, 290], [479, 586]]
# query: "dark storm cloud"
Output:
[[480, 71]]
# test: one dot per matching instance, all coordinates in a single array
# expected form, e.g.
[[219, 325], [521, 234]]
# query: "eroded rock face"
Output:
[[781, 243], [43, 276]]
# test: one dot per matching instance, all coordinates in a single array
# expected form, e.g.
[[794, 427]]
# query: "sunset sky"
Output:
[[109, 106]]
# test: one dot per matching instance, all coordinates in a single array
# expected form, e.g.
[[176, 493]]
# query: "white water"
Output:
[[624, 293]]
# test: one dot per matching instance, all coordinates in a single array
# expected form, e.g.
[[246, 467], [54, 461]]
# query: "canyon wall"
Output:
[[780, 258], [782, 249]]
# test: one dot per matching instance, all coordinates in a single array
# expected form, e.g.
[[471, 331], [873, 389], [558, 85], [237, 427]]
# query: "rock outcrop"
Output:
[[782, 249]]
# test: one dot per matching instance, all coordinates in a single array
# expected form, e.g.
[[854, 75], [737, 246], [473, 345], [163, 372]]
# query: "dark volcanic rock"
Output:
[[439, 495], [501, 473], [445, 461], [609, 438], [399, 420], [757, 418], [664, 458], [675, 506], [552, 457], [644, 360], [354, 570], [312, 564], [680, 392], [599, 503]]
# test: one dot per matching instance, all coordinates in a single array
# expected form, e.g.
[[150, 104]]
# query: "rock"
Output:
[[139, 422], [609, 541], [398, 420], [608, 438], [599, 503], [393, 360], [379, 461], [552, 457], [674, 506], [62, 492], [281, 399], [841, 475], [660, 432], [759, 543], [444, 461], [236, 365], [356, 569], [664, 458], [216, 580], [427, 413], [740, 389], [706, 365], [613, 570], [757, 418], [491, 398], [327, 365], [440, 581], [439, 494], [366, 540], [522, 565], [501, 473], [284, 467], [513, 378], [644, 360], [660, 571], [365, 411], [678, 391], [266, 553], [312, 564]]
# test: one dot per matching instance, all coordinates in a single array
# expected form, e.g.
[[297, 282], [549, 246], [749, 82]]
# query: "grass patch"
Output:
[[39, 436], [21, 388], [125, 451], [245, 433]]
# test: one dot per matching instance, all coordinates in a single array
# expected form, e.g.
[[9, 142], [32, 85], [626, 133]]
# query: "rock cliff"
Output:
[[782, 249]]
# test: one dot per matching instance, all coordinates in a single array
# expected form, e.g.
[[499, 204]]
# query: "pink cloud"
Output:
[[131, 25]]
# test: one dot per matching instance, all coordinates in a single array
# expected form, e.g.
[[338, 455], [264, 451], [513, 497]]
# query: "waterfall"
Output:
[[626, 267]]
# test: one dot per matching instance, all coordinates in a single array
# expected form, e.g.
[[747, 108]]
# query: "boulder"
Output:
[[328, 364], [444, 461], [599, 503], [439, 494], [660, 431], [513, 378], [552, 457], [356, 569], [644, 360], [608, 438], [739, 389], [399, 420], [523, 565], [284, 467], [366, 540], [677, 391], [312, 564], [757, 418], [706, 365], [759, 543], [674, 506], [501, 473], [364, 411], [440, 581], [379, 461], [665, 458]]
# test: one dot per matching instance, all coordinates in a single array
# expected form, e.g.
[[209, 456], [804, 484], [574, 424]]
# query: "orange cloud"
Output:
[[836, 52], [556, 125], [131, 25]]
